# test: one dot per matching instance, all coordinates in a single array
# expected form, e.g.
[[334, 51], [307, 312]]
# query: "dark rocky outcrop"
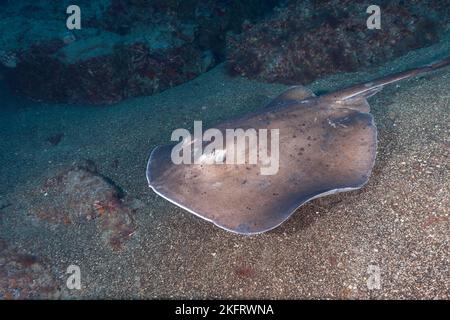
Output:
[[306, 39], [125, 48]]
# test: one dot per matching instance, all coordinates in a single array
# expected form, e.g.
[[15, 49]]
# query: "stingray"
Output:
[[327, 144]]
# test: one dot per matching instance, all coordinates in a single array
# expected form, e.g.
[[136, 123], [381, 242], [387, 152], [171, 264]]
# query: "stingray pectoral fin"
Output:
[[218, 193]]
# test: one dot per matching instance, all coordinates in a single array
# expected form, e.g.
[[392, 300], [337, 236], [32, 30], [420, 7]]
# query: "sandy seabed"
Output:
[[398, 223]]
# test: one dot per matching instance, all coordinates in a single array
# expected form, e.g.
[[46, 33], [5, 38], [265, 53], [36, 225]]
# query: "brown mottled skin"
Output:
[[327, 145]]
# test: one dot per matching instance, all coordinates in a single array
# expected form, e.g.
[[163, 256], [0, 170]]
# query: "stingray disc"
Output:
[[324, 148]]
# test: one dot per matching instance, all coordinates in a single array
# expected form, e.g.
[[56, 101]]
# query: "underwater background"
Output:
[[81, 110]]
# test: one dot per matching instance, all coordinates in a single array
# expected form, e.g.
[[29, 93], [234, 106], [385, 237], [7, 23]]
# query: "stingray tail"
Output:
[[371, 88]]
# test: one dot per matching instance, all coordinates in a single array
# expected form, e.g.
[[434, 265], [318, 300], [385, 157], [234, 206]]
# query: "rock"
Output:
[[208, 60], [23, 276], [8, 59], [77, 196], [306, 39], [68, 38], [125, 48]]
